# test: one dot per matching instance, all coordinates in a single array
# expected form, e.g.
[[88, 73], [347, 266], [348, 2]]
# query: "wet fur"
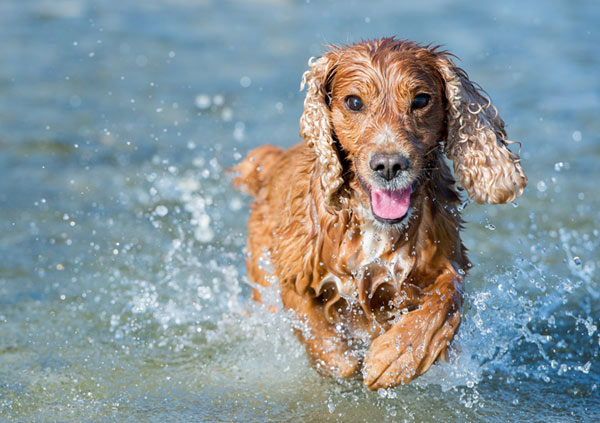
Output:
[[384, 299]]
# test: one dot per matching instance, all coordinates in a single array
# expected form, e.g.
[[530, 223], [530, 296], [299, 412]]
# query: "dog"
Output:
[[360, 224]]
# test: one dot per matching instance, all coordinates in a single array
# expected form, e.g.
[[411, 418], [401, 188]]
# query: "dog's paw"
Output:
[[340, 366], [407, 349], [335, 359], [391, 360]]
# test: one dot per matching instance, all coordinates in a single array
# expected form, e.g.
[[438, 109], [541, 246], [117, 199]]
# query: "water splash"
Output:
[[519, 324]]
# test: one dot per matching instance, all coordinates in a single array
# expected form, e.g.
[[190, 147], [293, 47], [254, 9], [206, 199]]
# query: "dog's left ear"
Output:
[[476, 140]]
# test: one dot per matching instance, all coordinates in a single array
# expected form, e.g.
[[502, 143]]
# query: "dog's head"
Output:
[[384, 107]]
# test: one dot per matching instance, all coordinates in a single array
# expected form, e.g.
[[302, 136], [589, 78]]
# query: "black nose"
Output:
[[388, 166]]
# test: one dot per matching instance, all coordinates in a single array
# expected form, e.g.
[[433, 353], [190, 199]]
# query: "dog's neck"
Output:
[[362, 239]]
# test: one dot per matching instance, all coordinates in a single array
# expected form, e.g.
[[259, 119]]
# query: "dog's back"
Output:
[[254, 171]]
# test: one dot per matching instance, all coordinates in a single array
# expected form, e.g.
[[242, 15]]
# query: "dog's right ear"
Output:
[[315, 126]]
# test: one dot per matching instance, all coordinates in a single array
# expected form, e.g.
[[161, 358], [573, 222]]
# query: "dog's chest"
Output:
[[375, 245], [368, 260]]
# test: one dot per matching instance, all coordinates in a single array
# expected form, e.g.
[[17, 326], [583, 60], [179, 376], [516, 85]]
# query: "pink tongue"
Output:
[[390, 204]]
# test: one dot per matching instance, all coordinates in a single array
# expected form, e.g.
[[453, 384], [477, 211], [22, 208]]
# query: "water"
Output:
[[123, 291]]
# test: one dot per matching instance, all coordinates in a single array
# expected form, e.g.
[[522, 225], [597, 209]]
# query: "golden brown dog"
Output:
[[359, 224]]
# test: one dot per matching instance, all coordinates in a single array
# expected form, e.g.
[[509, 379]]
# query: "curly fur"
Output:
[[477, 143], [315, 126]]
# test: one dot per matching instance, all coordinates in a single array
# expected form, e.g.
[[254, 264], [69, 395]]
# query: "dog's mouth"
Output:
[[390, 206]]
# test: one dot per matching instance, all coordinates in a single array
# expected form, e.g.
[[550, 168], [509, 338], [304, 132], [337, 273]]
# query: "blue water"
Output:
[[123, 290]]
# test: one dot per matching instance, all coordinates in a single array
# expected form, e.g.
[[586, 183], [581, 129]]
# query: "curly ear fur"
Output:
[[476, 141], [316, 129]]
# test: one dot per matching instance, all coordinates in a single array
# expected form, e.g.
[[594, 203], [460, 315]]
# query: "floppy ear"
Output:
[[476, 141], [315, 127]]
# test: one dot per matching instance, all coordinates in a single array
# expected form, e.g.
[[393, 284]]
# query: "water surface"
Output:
[[123, 290]]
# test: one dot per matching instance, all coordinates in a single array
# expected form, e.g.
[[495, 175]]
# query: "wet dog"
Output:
[[360, 222]]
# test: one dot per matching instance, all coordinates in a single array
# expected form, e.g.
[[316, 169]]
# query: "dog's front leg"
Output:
[[417, 339], [328, 349]]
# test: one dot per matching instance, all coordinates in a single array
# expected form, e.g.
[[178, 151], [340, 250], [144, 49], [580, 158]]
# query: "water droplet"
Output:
[[577, 261], [541, 186], [161, 210], [202, 101], [586, 367], [218, 100], [490, 227], [245, 81], [227, 114], [239, 131]]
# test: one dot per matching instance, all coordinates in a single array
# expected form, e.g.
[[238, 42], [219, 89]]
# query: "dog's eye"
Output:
[[420, 101], [354, 103]]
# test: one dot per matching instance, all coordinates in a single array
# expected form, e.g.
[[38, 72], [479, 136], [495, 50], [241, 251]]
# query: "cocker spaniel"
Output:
[[359, 225]]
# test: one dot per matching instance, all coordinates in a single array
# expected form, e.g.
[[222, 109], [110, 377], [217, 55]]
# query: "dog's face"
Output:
[[387, 112], [390, 103]]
